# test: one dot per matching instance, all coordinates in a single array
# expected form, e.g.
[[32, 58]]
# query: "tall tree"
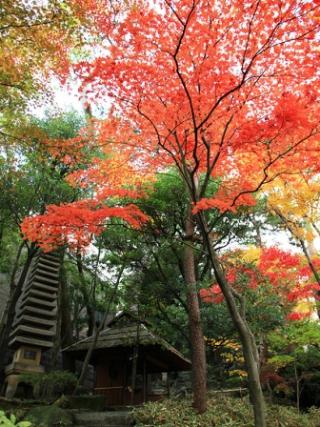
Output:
[[221, 91], [208, 84]]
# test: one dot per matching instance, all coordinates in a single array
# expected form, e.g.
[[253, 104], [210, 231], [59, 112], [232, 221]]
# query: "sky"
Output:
[[65, 98]]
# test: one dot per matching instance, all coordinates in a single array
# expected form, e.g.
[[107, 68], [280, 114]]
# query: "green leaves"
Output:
[[12, 421]]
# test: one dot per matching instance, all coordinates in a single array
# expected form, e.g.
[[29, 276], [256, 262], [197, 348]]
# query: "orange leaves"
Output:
[[68, 151], [229, 203], [228, 91], [75, 224]]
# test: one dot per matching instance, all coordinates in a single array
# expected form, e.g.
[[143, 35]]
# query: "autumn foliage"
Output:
[[224, 92], [74, 225], [288, 274]]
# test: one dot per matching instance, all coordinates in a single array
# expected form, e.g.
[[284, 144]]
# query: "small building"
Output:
[[126, 356]]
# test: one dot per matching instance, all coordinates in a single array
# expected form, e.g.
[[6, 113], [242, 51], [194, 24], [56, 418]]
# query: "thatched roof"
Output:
[[128, 336]]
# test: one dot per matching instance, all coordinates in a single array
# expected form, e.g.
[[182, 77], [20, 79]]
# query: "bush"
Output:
[[50, 385], [222, 412]]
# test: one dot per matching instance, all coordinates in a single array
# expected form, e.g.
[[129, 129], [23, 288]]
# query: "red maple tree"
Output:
[[224, 90]]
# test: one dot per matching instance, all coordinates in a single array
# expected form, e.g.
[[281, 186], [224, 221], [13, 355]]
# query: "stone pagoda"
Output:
[[34, 327]]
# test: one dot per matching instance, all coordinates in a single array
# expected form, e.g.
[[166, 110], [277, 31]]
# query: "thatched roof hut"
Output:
[[126, 348]]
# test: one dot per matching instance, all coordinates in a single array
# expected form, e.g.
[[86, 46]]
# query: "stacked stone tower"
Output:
[[34, 327]]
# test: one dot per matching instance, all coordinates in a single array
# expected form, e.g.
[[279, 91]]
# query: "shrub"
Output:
[[50, 385]]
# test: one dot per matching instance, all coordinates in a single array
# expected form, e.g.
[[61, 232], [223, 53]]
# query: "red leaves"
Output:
[[211, 295], [294, 316], [75, 224], [286, 272]]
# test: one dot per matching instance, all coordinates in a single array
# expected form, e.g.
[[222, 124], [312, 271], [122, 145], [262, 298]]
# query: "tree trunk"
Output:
[[296, 376], [66, 322], [96, 334], [306, 252], [11, 308], [249, 347], [12, 286], [315, 273], [86, 297], [198, 353]]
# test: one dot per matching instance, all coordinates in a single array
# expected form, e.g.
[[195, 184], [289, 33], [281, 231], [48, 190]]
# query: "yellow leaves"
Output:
[[309, 236], [304, 307], [251, 254], [229, 344], [238, 373], [296, 200]]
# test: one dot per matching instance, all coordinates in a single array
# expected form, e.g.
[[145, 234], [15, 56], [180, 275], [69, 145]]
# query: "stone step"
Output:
[[103, 419]]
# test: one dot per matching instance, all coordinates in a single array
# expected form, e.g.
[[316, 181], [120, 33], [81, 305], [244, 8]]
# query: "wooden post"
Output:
[[124, 382], [135, 363], [144, 380], [134, 372]]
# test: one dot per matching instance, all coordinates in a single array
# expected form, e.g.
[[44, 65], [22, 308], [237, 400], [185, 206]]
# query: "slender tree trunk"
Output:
[[198, 353], [314, 272], [7, 322], [297, 385], [15, 267], [1, 234], [96, 334], [12, 286], [306, 253], [86, 296], [249, 347], [66, 322]]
